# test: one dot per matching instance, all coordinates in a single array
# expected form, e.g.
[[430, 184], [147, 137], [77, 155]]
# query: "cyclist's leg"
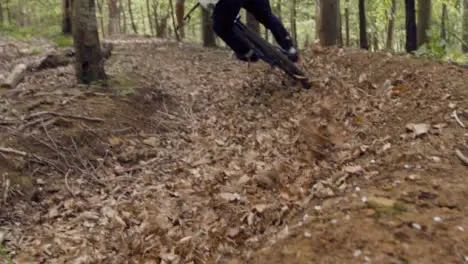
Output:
[[224, 15], [261, 9]]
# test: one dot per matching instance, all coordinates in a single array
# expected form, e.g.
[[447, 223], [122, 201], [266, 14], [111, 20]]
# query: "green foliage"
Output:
[[4, 256], [63, 40]]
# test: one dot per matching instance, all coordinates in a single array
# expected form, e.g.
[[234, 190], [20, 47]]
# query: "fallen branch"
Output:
[[29, 157], [454, 114], [461, 156], [91, 119], [13, 151], [16, 76]]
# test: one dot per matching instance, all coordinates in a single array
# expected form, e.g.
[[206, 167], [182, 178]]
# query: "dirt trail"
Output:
[[191, 157]]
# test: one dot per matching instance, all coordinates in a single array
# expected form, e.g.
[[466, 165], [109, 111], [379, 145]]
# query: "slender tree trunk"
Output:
[[124, 16], [132, 19], [347, 21], [209, 39], [89, 64], [101, 16], [293, 20], [114, 25], [150, 19], [391, 26], [66, 16], [267, 35], [424, 18], [8, 10], [171, 6], [443, 29], [180, 11], [364, 44], [411, 29], [278, 10], [1, 13], [327, 22], [465, 26], [142, 11], [340, 28]]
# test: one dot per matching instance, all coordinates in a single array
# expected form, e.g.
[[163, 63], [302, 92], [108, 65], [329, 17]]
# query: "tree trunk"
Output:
[[66, 16], [209, 39], [278, 10], [174, 26], [424, 18], [142, 11], [364, 44], [1, 13], [391, 26], [101, 16], [132, 20], [347, 21], [293, 20], [252, 23], [150, 19], [114, 25], [465, 26], [124, 16], [327, 22], [340, 28], [411, 29], [180, 11], [443, 29], [89, 64], [8, 10]]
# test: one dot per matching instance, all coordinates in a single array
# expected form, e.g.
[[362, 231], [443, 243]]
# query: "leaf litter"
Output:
[[194, 165]]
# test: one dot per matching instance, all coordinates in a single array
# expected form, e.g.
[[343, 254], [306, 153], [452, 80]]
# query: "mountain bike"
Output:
[[266, 51]]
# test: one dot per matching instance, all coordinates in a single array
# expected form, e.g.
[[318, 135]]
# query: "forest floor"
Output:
[[189, 156]]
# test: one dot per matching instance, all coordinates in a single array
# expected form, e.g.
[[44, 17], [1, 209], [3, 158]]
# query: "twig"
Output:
[[454, 114], [66, 183], [461, 156], [37, 114], [6, 183], [13, 151], [32, 123]]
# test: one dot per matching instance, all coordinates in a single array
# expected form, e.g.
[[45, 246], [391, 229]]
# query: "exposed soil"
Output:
[[188, 156]]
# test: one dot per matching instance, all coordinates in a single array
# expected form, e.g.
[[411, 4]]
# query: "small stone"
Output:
[[353, 169], [416, 226], [307, 234], [244, 179], [387, 147], [437, 219], [380, 202], [364, 199], [334, 221], [152, 141], [465, 258], [318, 207], [460, 228], [233, 232], [418, 129], [367, 259], [40, 181], [452, 105], [357, 189], [357, 253], [435, 159], [414, 177], [347, 217]]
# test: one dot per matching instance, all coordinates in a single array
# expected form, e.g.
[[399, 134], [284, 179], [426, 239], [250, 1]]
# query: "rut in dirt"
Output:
[[191, 157]]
